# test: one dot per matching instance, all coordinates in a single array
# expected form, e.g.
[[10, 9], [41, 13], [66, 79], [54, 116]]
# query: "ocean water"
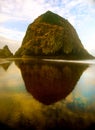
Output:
[[47, 94]]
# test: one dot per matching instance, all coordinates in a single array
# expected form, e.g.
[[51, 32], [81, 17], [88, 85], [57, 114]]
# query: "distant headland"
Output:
[[5, 52]]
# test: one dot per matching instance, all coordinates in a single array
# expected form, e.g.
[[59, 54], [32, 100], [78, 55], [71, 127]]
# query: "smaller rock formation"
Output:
[[5, 52]]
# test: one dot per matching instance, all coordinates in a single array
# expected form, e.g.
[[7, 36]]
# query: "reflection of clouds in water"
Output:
[[15, 106], [83, 96], [86, 85], [11, 79], [22, 109]]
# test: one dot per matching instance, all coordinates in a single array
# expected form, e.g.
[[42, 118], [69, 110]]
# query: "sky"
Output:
[[16, 15]]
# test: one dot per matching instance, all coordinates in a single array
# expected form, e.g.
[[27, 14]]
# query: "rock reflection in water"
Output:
[[50, 82], [5, 66]]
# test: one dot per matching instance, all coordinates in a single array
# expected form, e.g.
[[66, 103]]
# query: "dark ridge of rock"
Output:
[[5, 52], [50, 35]]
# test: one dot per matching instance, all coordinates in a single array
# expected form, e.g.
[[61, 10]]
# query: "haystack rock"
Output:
[[50, 35]]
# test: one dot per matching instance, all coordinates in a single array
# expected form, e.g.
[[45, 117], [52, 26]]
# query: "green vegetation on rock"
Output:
[[51, 35]]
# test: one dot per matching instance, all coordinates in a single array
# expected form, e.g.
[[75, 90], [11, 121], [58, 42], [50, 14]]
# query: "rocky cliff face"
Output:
[[5, 52], [52, 35]]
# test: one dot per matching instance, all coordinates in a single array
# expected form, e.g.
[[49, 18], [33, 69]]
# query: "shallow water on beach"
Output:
[[47, 94]]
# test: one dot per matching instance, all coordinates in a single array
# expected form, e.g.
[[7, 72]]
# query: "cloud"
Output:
[[23, 9], [91, 1], [30, 9], [10, 33], [3, 18], [12, 44]]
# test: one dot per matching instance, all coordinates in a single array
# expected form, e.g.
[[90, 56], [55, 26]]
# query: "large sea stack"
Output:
[[50, 35]]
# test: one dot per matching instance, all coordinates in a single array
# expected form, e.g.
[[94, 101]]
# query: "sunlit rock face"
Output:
[[5, 52], [50, 82], [52, 35]]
